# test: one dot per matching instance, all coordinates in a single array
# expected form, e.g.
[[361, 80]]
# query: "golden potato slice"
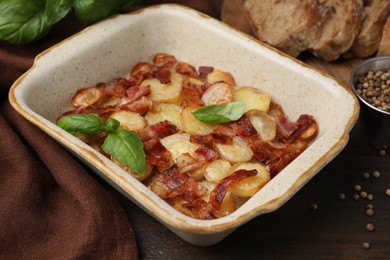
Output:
[[177, 144], [218, 93], [168, 93], [236, 151], [217, 170], [249, 186], [264, 124], [129, 120], [253, 98], [192, 125], [165, 111], [220, 76]]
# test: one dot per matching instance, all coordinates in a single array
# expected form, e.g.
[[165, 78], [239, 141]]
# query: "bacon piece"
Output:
[[222, 134], [275, 156], [187, 69], [164, 59], [218, 193], [201, 139], [182, 184], [159, 130], [163, 74], [204, 71], [117, 87], [140, 106], [200, 209], [136, 92], [140, 72], [136, 100], [303, 123], [191, 90], [203, 153], [157, 154], [164, 129]]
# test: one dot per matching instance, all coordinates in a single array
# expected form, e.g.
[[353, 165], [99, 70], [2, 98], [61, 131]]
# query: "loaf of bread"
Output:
[[286, 25], [384, 45], [326, 28], [367, 41]]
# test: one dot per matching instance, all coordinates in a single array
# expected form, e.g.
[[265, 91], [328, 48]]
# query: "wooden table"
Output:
[[336, 230]]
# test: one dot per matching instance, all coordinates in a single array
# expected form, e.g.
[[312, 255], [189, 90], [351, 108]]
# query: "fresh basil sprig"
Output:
[[220, 113], [24, 21], [123, 145]]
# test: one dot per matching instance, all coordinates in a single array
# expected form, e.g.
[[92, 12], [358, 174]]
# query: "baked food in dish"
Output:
[[199, 141]]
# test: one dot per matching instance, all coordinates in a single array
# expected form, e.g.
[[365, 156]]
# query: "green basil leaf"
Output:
[[220, 113], [126, 147], [23, 21], [82, 123], [112, 124], [90, 11], [57, 9]]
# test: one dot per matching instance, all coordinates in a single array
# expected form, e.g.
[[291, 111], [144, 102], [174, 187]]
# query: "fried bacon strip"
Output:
[[187, 69], [181, 185], [275, 156], [211, 210], [156, 153], [219, 192]]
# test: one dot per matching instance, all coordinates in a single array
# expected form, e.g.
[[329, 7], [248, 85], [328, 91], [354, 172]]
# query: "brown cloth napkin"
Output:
[[51, 206]]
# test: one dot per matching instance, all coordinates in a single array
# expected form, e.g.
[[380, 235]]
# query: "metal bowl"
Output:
[[376, 122]]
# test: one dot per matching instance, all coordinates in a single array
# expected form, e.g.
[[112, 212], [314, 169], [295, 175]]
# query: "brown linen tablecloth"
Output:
[[50, 205]]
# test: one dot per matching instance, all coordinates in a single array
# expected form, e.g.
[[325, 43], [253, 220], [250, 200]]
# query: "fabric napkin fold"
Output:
[[51, 206]]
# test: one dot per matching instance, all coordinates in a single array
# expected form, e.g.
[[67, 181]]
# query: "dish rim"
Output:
[[163, 214]]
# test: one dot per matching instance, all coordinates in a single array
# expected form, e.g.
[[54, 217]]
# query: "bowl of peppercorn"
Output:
[[370, 80]]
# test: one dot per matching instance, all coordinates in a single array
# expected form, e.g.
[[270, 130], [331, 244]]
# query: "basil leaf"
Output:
[[23, 21], [82, 123], [126, 147], [220, 113], [57, 9], [112, 124], [90, 11]]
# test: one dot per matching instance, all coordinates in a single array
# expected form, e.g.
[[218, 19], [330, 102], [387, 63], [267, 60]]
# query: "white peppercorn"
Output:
[[374, 88], [376, 174], [370, 227]]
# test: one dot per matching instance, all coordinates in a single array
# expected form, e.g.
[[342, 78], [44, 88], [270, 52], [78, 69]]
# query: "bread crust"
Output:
[[286, 25], [384, 45], [367, 41]]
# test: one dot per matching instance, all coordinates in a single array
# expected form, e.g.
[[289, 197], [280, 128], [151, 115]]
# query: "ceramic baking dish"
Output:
[[110, 48]]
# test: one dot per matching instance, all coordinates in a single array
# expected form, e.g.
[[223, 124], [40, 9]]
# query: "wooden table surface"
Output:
[[336, 230]]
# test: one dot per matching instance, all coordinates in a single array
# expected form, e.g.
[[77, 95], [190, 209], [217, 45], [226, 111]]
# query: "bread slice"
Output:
[[340, 30], [288, 25], [367, 41], [384, 45]]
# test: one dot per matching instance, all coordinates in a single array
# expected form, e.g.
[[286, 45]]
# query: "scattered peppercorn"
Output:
[[366, 175], [356, 196], [376, 174], [363, 194], [382, 152], [314, 206], [370, 197], [357, 187], [366, 245], [369, 206], [374, 87], [388, 192], [342, 196], [369, 212], [370, 227]]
